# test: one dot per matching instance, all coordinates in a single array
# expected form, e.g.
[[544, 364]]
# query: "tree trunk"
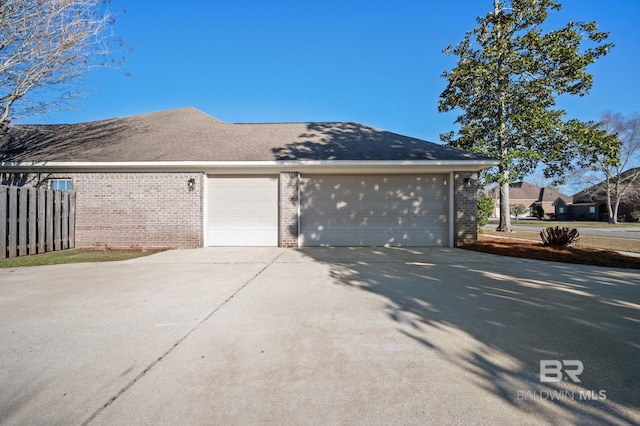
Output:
[[505, 214], [613, 216], [615, 200]]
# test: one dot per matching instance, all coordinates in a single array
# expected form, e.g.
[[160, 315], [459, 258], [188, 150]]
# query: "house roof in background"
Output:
[[598, 191], [187, 134], [551, 195], [524, 191]]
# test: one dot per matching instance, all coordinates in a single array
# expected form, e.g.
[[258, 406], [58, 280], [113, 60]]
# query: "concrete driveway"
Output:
[[319, 336]]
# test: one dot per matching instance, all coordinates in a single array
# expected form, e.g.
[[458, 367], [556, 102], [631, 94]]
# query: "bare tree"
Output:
[[45, 47], [612, 174]]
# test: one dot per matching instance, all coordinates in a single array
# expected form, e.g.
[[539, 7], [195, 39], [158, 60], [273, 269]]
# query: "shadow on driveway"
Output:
[[521, 312]]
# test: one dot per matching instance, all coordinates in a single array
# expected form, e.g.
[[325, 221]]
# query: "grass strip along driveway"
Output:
[[74, 256], [609, 242]]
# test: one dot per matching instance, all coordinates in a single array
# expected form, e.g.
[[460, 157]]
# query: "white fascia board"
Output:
[[325, 166]]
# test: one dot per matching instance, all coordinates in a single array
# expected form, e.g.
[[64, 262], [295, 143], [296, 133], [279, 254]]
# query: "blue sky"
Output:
[[377, 63]]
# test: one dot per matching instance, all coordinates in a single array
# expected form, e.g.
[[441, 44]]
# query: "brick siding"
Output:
[[288, 210], [131, 209], [465, 208]]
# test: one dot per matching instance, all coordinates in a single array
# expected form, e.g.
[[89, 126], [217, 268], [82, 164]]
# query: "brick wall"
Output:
[[288, 208], [158, 210], [465, 208], [132, 209]]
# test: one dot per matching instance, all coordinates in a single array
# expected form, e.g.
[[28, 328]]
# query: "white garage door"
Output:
[[243, 211], [387, 210]]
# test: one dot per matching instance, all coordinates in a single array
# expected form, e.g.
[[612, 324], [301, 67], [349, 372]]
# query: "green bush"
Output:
[[559, 236], [485, 209], [538, 212]]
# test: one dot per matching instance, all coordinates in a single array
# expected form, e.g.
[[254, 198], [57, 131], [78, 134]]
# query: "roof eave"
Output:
[[311, 166]]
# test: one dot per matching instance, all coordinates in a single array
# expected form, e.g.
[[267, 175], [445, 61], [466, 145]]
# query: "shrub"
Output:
[[485, 209], [559, 236], [538, 211]]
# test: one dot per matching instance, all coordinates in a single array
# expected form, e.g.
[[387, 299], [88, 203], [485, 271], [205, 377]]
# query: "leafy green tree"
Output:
[[518, 210], [538, 211], [509, 74]]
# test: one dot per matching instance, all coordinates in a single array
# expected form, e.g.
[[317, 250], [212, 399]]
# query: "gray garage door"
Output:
[[370, 210], [243, 211]]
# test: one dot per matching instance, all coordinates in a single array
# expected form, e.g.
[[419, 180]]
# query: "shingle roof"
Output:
[[186, 134], [527, 191], [523, 191], [551, 195], [598, 191]]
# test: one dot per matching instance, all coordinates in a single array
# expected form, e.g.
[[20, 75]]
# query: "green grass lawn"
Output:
[[74, 256], [571, 224]]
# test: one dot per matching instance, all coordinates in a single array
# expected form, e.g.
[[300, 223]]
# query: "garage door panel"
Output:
[[374, 210], [243, 211]]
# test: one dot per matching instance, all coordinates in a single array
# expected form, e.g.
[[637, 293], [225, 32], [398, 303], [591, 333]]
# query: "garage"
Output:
[[242, 211], [374, 210]]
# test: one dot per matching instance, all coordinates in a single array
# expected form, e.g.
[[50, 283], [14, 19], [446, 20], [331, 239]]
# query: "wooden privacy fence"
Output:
[[35, 220]]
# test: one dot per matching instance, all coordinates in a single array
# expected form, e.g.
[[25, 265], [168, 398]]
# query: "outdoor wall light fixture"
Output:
[[467, 182], [191, 184]]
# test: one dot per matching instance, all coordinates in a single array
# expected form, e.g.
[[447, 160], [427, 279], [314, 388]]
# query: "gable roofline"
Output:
[[187, 134]]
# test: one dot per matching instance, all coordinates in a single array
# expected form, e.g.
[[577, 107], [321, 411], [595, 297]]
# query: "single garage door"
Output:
[[371, 210], [243, 211]]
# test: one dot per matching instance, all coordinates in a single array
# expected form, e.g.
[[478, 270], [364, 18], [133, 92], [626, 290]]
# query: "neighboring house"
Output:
[[591, 203], [530, 195], [577, 211], [181, 178]]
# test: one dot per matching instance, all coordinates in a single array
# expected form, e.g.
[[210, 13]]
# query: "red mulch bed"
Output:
[[534, 250]]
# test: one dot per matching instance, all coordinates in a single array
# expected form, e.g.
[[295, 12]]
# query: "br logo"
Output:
[[555, 370]]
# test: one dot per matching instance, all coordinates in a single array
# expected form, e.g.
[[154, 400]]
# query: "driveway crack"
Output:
[[178, 342]]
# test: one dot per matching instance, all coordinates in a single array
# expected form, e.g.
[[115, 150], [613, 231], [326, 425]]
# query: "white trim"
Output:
[[205, 210], [260, 167], [452, 211]]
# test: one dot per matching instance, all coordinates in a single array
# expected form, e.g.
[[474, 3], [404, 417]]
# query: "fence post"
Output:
[[33, 210], [42, 198], [72, 220], [13, 221], [57, 204], [23, 221], [49, 220], [3, 222]]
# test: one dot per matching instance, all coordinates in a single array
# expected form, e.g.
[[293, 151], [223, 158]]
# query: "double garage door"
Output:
[[372, 210], [335, 210]]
